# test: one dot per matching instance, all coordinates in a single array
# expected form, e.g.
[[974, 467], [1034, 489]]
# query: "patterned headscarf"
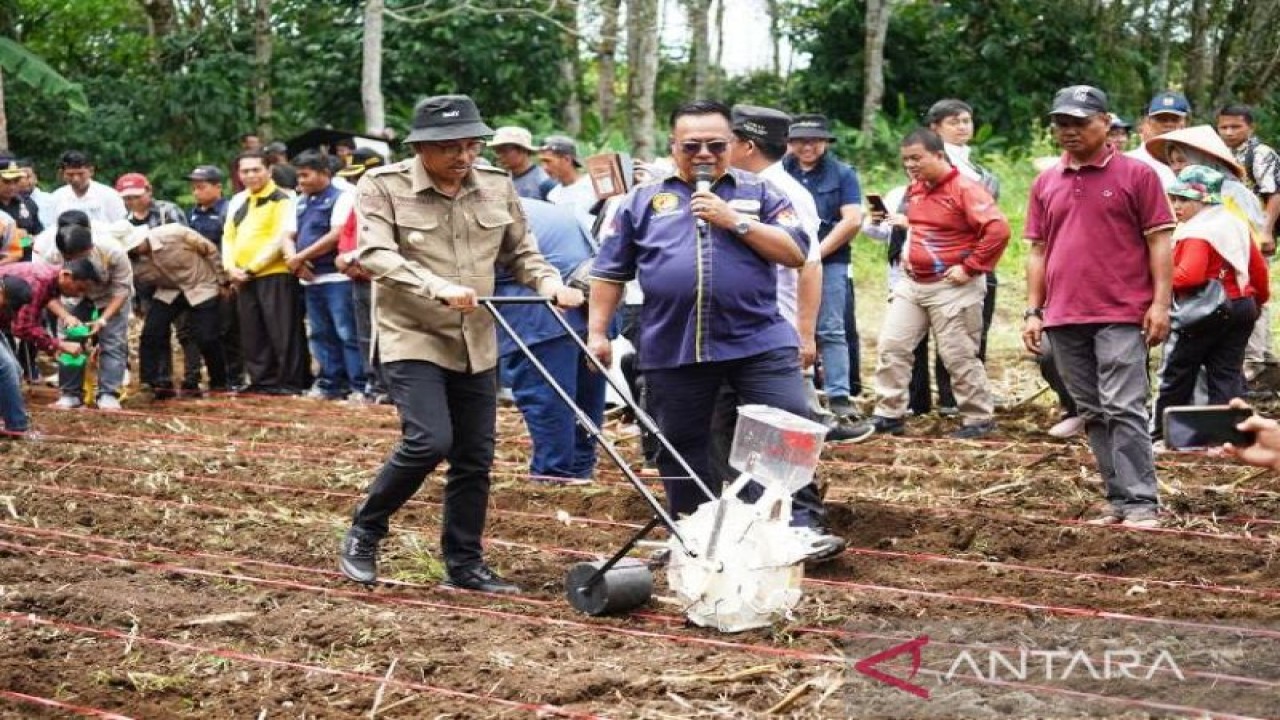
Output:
[[1198, 182]]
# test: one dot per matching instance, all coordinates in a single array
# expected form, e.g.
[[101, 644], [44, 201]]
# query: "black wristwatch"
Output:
[[1033, 312]]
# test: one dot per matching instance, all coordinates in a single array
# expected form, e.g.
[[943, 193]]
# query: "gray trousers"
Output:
[[112, 362], [1105, 369]]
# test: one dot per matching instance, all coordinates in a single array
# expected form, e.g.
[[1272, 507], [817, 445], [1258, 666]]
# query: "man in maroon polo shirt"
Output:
[[1099, 276]]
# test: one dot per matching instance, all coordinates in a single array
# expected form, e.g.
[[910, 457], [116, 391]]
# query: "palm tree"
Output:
[[29, 69]]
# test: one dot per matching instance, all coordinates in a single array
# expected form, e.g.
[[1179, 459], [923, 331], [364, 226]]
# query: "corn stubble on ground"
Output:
[[185, 569]]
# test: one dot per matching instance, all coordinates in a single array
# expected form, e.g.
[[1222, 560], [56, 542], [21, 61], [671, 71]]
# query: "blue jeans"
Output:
[[12, 407], [334, 341], [683, 401], [560, 447], [113, 360], [833, 345]]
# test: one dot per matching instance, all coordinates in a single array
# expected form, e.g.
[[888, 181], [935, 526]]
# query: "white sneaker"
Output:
[[357, 398], [823, 546], [1067, 427], [109, 403], [68, 402]]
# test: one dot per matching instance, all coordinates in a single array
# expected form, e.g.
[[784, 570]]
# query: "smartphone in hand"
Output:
[[1205, 426], [876, 203]]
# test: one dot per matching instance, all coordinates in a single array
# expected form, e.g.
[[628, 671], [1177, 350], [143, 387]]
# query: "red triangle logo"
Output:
[[867, 666]]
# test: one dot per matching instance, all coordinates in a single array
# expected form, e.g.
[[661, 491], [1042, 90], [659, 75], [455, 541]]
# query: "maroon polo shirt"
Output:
[[1093, 221]]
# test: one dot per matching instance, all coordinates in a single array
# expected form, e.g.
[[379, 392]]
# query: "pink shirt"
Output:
[[1094, 221]]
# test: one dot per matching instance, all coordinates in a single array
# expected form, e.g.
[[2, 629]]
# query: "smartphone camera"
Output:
[[1196, 427]]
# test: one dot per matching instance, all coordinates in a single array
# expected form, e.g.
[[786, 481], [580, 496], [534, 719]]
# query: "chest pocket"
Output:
[[424, 238], [486, 233]]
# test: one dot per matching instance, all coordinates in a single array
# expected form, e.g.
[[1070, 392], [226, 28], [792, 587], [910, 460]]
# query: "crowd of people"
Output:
[[344, 276]]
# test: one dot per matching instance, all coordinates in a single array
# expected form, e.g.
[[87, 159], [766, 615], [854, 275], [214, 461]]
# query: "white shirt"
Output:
[[807, 210], [959, 157], [1167, 177], [581, 196], [100, 202], [882, 231]]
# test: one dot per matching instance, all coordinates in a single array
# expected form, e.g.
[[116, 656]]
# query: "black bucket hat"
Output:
[[447, 117]]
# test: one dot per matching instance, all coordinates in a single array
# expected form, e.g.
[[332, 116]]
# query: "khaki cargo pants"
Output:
[[954, 314]]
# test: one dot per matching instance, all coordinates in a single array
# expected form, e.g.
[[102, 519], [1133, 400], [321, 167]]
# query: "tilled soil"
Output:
[[177, 560]]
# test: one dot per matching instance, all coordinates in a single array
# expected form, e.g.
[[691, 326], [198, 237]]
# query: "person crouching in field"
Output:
[[1210, 244]]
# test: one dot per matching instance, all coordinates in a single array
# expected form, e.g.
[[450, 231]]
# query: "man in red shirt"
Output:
[[1099, 274], [26, 289], [956, 235]]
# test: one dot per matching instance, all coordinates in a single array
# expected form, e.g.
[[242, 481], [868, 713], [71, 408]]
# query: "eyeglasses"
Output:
[[693, 147], [455, 149]]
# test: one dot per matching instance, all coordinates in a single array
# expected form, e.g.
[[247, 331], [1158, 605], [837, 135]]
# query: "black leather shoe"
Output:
[[888, 426], [480, 578], [358, 558]]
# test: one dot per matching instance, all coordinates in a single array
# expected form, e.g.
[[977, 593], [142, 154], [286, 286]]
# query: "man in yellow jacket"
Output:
[[268, 297]]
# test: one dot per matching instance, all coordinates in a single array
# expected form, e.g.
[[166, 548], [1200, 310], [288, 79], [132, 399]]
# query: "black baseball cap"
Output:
[[805, 127], [207, 173], [761, 123], [1080, 101], [447, 117], [17, 292]]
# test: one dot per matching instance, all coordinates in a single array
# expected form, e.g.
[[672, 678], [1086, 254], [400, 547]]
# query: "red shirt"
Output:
[[955, 222], [1093, 221], [347, 238], [26, 325], [1195, 262]]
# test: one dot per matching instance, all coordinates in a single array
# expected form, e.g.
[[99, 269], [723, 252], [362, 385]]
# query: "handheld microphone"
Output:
[[702, 177]]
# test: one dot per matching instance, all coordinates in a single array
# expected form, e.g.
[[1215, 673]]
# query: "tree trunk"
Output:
[[262, 39], [571, 111], [1198, 61], [4, 119], [877, 27], [606, 61], [718, 58], [642, 75], [775, 34], [375, 113], [1162, 75], [699, 45], [162, 19]]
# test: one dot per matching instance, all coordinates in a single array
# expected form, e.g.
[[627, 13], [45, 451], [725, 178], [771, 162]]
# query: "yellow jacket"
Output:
[[256, 224]]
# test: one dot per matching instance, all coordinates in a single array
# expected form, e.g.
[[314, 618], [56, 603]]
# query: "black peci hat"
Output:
[[761, 123]]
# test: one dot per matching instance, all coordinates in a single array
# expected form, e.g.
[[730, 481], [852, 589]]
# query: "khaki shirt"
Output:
[[182, 262], [115, 272], [415, 241]]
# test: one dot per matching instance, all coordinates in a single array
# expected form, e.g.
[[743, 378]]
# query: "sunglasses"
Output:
[[693, 147]]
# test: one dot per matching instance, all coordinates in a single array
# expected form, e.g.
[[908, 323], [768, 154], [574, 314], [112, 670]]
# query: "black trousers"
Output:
[[444, 415], [202, 324], [1216, 346], [272, 336]]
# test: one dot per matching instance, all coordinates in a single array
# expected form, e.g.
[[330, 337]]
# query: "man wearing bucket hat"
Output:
[[1099, 273], [513, 146], [431, 229], [836, 192]]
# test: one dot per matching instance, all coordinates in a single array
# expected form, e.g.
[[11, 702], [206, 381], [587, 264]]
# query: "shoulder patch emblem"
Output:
[[788, 219], [664, 202]]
